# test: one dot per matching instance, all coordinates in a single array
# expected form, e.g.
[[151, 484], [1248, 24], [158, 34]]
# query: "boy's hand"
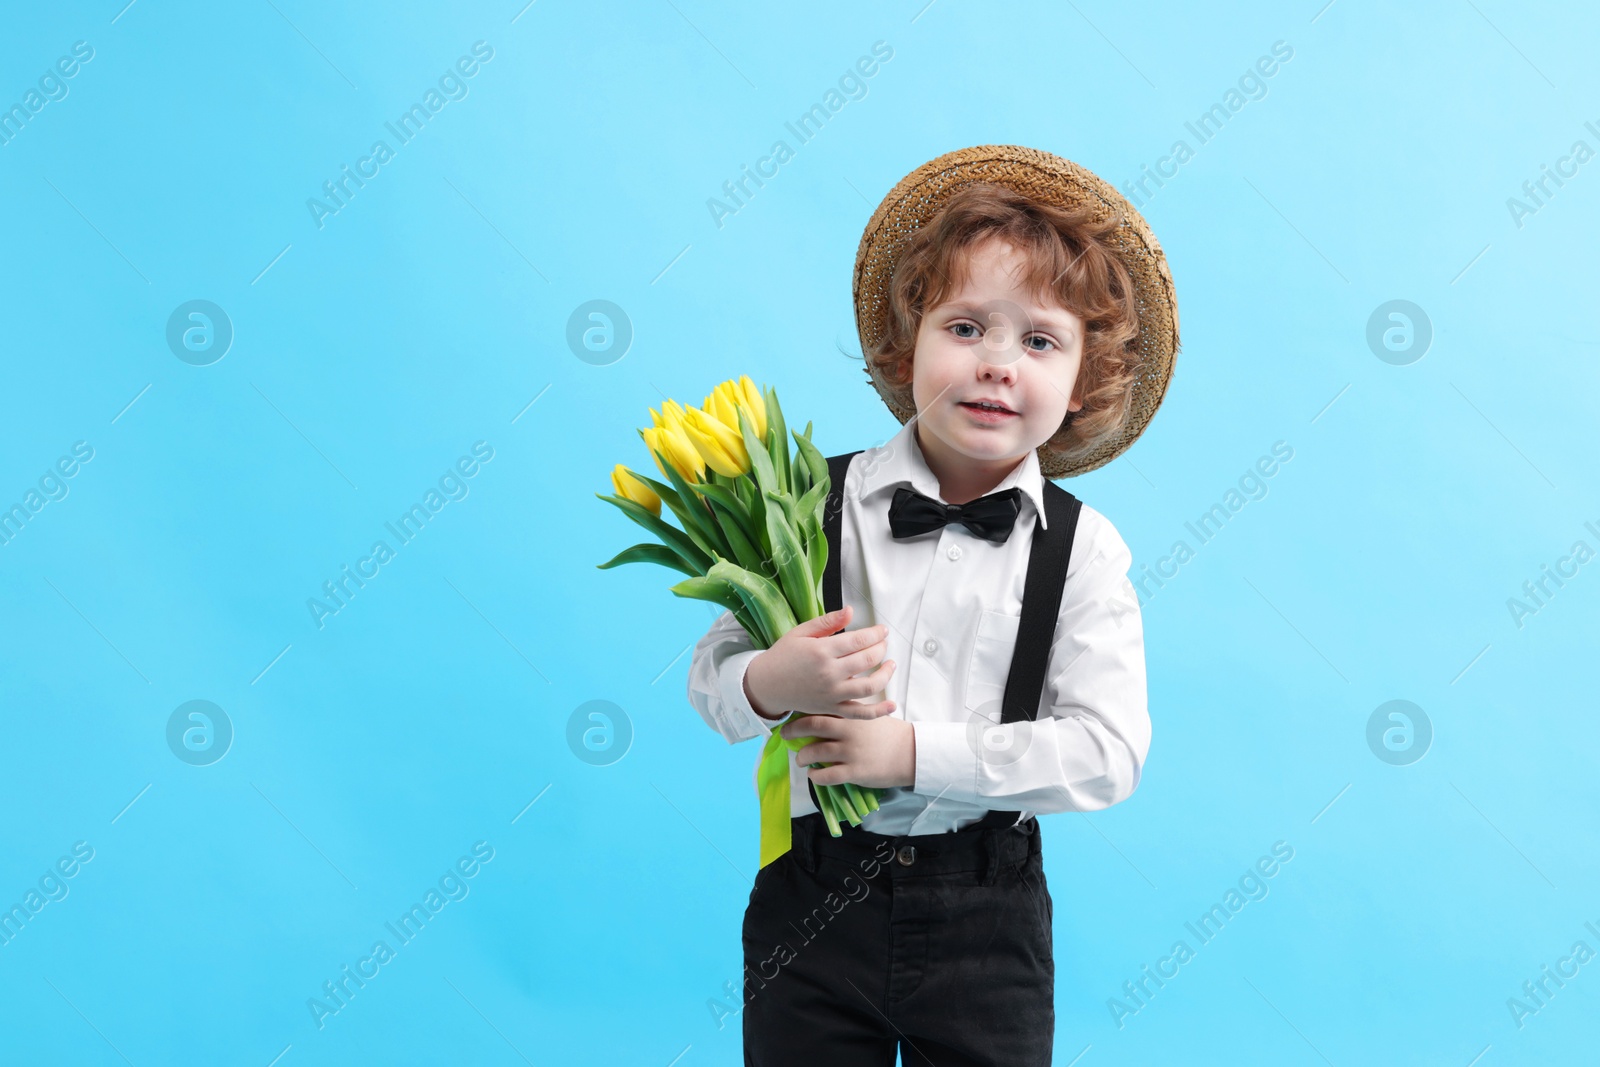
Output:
[[812, 668], [878, 753]]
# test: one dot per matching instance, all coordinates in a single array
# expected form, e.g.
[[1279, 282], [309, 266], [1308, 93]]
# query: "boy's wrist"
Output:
[[755, 705]]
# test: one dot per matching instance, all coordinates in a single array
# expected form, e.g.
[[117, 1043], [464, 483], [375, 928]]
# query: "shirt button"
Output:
[[907, 855], [954, 552], [930, 646]]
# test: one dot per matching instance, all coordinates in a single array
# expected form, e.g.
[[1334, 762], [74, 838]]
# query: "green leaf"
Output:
[[731, 505], [648, 553], [712, 589], [670, 535], [794, 569], [704, 533], [817, 553], [760, 459], [690, 509], [785, 507], [778, 435], [814, 459], [810, 505], [762, 596], [745, 552], [755, 513], [809, 511], [800, 475]]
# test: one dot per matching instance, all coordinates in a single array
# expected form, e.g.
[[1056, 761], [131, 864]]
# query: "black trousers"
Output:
[[937, 946]]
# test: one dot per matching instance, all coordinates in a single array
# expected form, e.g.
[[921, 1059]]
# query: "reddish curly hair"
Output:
[[1068, 262]]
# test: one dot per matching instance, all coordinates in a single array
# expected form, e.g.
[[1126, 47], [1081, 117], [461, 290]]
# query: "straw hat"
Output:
[[1046, 177]]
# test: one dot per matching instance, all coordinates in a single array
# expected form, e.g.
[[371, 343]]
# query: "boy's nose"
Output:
[[988, 368]]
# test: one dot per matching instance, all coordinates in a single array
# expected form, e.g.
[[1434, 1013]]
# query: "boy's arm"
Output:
[[716, 682], [1087, 748]]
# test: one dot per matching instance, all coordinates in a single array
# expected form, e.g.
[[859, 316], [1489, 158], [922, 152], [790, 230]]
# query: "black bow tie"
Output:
[[989, 517]]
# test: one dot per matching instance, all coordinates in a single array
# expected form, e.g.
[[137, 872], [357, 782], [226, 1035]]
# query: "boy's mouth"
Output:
[[990, 410]]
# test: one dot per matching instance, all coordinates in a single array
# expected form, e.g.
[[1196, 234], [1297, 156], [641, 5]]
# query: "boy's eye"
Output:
[[969, 331]]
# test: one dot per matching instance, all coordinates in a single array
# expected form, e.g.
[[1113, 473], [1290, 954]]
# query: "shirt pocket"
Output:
[[993, 643]]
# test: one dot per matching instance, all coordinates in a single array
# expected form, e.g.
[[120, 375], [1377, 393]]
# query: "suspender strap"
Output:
[[1041, 603], [832, 595], [832, 598], [1041, 606], [1041, 599]]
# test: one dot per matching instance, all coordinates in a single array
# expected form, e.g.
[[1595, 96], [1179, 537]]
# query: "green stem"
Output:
[[829, 816], [858, 799], [847, 807]]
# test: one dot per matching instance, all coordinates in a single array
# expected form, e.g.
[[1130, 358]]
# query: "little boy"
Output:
[[1018, 317]]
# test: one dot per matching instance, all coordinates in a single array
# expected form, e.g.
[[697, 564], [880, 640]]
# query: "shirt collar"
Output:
[[899, 461]]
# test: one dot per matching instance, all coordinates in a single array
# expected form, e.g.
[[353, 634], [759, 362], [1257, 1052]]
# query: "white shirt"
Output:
[[952, 602]]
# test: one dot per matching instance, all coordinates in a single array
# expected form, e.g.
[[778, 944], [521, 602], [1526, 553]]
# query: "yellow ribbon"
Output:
[[772, 786]]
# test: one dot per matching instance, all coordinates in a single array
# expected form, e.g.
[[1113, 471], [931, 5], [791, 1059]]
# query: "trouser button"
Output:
[[907, 855]]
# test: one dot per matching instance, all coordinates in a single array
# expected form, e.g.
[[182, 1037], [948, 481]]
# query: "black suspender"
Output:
[[1041, 598], [832, 598]]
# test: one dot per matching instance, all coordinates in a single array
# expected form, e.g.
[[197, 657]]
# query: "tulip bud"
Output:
[[680, 451], [722, 448], [629, 487], [755, 406]]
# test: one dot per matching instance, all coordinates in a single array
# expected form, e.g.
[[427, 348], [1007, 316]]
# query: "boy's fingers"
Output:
[[868, 684], [823, 625], [851, 709], [817, 752], [811, 726], [838, 774], [849, 641], [864, 660]]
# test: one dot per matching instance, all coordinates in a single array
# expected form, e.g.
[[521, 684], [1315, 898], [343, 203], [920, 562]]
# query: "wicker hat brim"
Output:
[[1050, 178]]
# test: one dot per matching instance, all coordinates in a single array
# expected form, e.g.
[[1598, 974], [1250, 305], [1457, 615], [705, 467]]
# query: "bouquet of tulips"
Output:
[[749, 538]]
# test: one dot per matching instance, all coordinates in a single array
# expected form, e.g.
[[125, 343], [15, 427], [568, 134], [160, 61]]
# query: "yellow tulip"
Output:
[[652, 441], [722, 449], [754, 405], [671, 412], [725, 402], [722, 407], [671, 439], [629, 487]]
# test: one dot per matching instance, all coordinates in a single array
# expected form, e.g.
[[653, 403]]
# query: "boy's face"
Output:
[[994, 340]]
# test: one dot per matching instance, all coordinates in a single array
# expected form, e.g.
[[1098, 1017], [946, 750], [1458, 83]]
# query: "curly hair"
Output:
[[1068, 262]]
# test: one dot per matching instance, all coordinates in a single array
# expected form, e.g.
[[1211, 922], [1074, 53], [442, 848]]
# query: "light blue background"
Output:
[[431, 311]]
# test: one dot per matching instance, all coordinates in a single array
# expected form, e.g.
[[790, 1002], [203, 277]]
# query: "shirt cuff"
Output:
[[947, 764], [731, 679]]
